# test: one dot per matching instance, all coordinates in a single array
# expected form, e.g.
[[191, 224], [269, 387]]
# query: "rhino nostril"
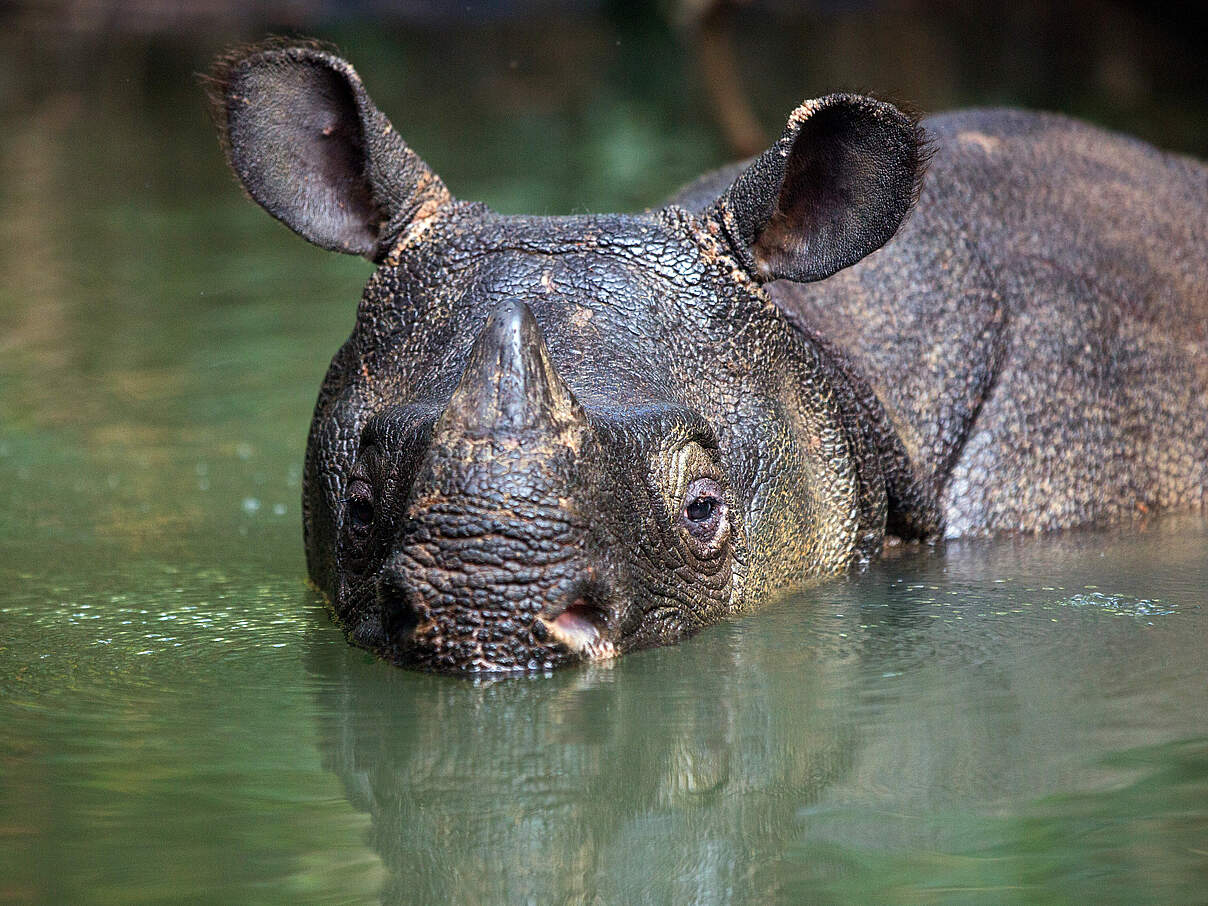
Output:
[[399, 619], [400, 611], [583, 628]]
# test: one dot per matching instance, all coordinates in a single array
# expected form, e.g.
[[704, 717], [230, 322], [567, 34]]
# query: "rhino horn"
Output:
[[510, 385]]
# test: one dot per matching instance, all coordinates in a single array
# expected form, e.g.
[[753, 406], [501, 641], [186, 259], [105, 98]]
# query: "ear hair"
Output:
[[834, 188], [310, 147]]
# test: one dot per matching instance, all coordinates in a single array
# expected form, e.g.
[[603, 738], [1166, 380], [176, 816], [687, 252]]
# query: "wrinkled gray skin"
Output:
[[557, 439]]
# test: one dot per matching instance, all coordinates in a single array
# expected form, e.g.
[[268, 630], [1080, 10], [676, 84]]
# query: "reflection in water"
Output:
[[668, 779], [954, 702]]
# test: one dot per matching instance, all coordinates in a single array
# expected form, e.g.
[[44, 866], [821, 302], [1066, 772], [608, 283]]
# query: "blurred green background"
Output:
[[555, 106]]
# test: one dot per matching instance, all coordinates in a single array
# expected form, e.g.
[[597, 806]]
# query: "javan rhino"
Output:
[[554, 439]]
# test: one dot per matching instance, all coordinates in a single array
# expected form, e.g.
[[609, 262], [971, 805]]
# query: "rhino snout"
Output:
[[503, 615]]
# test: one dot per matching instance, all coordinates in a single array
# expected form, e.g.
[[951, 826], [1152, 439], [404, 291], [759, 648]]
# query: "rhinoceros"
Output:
[[557, 439]]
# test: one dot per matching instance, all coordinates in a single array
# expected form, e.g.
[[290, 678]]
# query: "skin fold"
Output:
[[556, 439]]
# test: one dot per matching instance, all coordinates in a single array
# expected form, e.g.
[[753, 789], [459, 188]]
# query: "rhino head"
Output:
[[555, 439]]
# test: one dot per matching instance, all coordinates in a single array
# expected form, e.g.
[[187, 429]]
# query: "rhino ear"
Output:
[[834, 188], [311, 148]]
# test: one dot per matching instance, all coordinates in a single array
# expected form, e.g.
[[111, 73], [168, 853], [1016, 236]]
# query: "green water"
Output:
[[1020, 721]]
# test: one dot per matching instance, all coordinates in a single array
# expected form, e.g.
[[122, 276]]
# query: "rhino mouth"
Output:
[[491, 637]]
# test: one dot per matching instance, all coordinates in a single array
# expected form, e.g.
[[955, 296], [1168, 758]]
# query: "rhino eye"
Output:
[[360, 506], [704, 511], [700, 509], [360, 512]]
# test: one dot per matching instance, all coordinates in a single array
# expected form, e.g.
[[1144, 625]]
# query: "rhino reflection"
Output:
[[684, 772], [777, 756]]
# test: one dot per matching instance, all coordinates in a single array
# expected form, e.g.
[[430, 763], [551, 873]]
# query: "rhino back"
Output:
[[1038, 330]]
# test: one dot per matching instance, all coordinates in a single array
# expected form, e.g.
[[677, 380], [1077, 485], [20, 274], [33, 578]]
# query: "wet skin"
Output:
[[555, 439]]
